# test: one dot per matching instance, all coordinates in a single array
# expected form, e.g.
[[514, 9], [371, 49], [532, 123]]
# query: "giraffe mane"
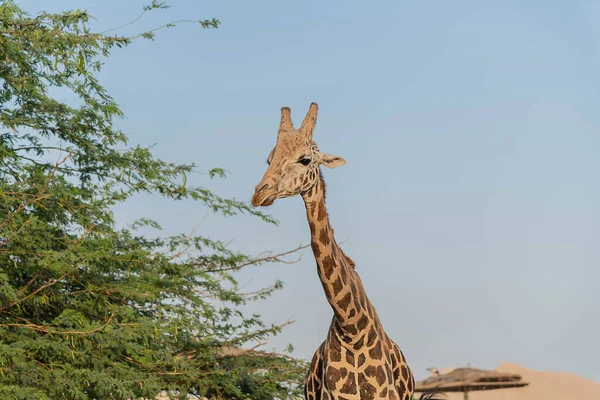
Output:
[[324, 185]]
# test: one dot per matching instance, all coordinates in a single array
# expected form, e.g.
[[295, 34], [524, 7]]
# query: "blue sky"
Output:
[[471, 132]]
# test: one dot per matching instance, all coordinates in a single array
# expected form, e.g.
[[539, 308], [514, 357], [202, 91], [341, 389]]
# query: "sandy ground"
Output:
[[543, 385]]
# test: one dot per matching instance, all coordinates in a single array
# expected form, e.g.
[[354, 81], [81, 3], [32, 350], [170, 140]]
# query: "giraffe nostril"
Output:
[[263, 187]]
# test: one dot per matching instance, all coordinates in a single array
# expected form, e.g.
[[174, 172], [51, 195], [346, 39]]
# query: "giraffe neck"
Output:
[[342, 285]]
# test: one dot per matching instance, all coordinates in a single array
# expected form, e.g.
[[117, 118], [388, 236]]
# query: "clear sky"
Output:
[[471, 130]]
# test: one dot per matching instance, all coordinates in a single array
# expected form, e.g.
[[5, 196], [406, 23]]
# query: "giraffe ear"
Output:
[[332, 161], [270, 158]]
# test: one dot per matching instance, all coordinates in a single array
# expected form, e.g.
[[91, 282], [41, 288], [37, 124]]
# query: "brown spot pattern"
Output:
[[327, 291], [375, 352], [388, 372], [322, 212], [337, 286], [316, 250], [370, 371], [380, 375], [367, 390], [335, 351], [332, 374], [349, 386], [351, 329], [361, 360], [371, 336], [349, 357], [404, 371], [358, 345], [362, 322], [324, 237], [345, 302], [328, 265], [355, 295]]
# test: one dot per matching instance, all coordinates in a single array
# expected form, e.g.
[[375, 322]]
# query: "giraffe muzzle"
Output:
[[260, 200], [263, 197]]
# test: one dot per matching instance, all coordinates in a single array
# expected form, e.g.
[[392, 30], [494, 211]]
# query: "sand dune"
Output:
[[543, 385]]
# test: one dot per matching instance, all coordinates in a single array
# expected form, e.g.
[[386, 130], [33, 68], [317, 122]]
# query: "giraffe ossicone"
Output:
[[357, 360]]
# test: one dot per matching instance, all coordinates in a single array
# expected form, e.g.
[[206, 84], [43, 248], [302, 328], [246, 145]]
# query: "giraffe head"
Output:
[[294, 162]]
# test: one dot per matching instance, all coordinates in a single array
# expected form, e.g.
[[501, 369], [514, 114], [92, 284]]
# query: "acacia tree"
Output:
[[88, 311]]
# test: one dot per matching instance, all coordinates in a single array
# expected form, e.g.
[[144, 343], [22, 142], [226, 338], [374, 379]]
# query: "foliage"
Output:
[[88, 311]]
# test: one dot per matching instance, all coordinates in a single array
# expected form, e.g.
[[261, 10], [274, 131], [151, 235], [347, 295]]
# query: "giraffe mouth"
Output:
[[264, 202], [268, 200]]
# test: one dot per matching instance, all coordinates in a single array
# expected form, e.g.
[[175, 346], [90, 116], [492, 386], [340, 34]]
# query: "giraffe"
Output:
[[357, 360]]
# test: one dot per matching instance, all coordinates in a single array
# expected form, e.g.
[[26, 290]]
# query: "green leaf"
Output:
[[80, 63]]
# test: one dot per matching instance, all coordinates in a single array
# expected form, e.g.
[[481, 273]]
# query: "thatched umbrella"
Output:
[[470, 379]]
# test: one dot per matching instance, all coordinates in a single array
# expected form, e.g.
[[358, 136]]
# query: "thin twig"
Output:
[[44, 286], [127, 24], [181, 251], [45, 329], [259, 260], [190, 21]]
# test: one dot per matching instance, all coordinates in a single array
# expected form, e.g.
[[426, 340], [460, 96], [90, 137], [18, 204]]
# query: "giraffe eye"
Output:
[[304, 161]]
